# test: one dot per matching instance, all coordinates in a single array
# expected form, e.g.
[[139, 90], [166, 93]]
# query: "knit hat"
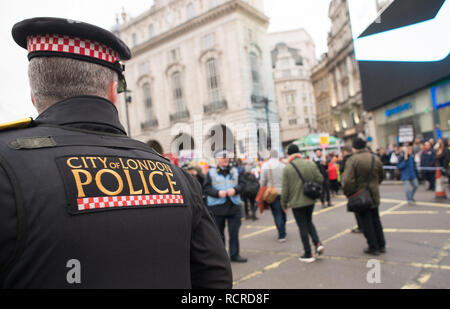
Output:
[[292, 149], [359, 143]]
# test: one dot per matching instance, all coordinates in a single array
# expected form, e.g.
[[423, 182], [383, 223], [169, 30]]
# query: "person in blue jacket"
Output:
[[407, 167], [222, 187]]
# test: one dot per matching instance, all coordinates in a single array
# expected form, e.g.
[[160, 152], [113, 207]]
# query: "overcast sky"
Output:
[[15, 100]]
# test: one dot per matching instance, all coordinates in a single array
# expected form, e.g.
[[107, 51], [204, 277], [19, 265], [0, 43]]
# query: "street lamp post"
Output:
[[264, 102], [128, 100], [269, 137]]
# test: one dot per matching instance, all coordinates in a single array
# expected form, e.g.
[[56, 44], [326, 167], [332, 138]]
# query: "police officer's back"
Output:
[[82, 205]]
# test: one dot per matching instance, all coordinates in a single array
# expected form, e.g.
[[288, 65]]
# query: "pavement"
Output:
[[418, 247]]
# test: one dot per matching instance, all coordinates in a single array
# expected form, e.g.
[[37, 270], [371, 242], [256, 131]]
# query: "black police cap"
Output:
[[102, 46], [49, 25]]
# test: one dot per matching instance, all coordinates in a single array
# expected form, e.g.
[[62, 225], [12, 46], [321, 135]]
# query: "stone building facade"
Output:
[[200, 69], [293, 55], [345, 97], [324, 95], [337, 83]]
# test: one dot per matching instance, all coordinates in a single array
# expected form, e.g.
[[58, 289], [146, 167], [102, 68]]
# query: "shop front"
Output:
[[414, 111], [440, 97]]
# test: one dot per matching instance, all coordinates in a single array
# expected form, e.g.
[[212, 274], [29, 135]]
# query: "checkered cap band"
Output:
[[71, 45]]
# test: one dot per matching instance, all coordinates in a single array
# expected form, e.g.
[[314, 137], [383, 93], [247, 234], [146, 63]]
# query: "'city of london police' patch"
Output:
[[99, 183]]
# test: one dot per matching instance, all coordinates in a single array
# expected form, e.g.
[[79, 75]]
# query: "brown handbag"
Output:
[[271, 193]]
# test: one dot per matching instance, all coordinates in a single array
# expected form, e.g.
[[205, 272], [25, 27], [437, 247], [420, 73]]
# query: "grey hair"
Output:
[[53, 79]]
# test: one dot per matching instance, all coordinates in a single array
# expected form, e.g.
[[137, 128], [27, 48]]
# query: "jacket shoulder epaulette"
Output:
[[18, 124]]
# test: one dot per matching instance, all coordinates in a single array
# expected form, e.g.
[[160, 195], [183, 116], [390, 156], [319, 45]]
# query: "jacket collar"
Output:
[[223, 171], [94, 113], [362, 150], [294, 156]]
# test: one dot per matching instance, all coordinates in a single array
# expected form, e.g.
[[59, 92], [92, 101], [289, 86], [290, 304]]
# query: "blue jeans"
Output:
[[279, 216], [410, 193]]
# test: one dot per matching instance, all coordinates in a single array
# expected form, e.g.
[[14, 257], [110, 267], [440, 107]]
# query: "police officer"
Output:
[[82, 204], [223, 186]]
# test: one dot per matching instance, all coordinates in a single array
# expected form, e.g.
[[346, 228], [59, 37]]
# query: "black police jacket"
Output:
[[84, 206]]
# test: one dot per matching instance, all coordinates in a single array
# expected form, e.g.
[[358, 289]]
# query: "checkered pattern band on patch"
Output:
[[127, 201], [71, 45]]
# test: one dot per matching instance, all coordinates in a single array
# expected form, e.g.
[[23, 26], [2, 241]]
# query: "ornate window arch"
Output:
[[177, 91], [146, 96], [190, 11], [211, 63], [175, 78], [151, 31], [213, 81], [255, 60]]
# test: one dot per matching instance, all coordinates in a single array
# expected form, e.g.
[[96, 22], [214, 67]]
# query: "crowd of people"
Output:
[[426, 154], [234, 181], [103, 197]]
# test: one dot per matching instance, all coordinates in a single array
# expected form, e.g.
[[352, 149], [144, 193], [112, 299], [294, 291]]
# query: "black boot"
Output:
[[238, 259]]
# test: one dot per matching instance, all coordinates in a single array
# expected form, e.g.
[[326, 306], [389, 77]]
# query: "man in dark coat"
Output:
[[249, 195], [355, 179], [428, 161], [323, 168], [347, 152]]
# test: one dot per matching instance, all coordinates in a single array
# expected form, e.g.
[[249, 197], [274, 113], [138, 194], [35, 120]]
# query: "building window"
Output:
[[292, 122], [213, 82], [255, 74], [148, 104], [285, 63], [174, 55], [345, 91], [290, 98], [286, 73], [209, 40], [151, 31], [343, 67], [355, 118], [143, 68], [190, 11], [344, 124], [135, 39], [169, 18], [214, 3], [337, 128], [177, 92], [290, 104]]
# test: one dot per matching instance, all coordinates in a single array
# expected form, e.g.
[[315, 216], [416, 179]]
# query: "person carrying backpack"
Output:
[[249, 195]]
